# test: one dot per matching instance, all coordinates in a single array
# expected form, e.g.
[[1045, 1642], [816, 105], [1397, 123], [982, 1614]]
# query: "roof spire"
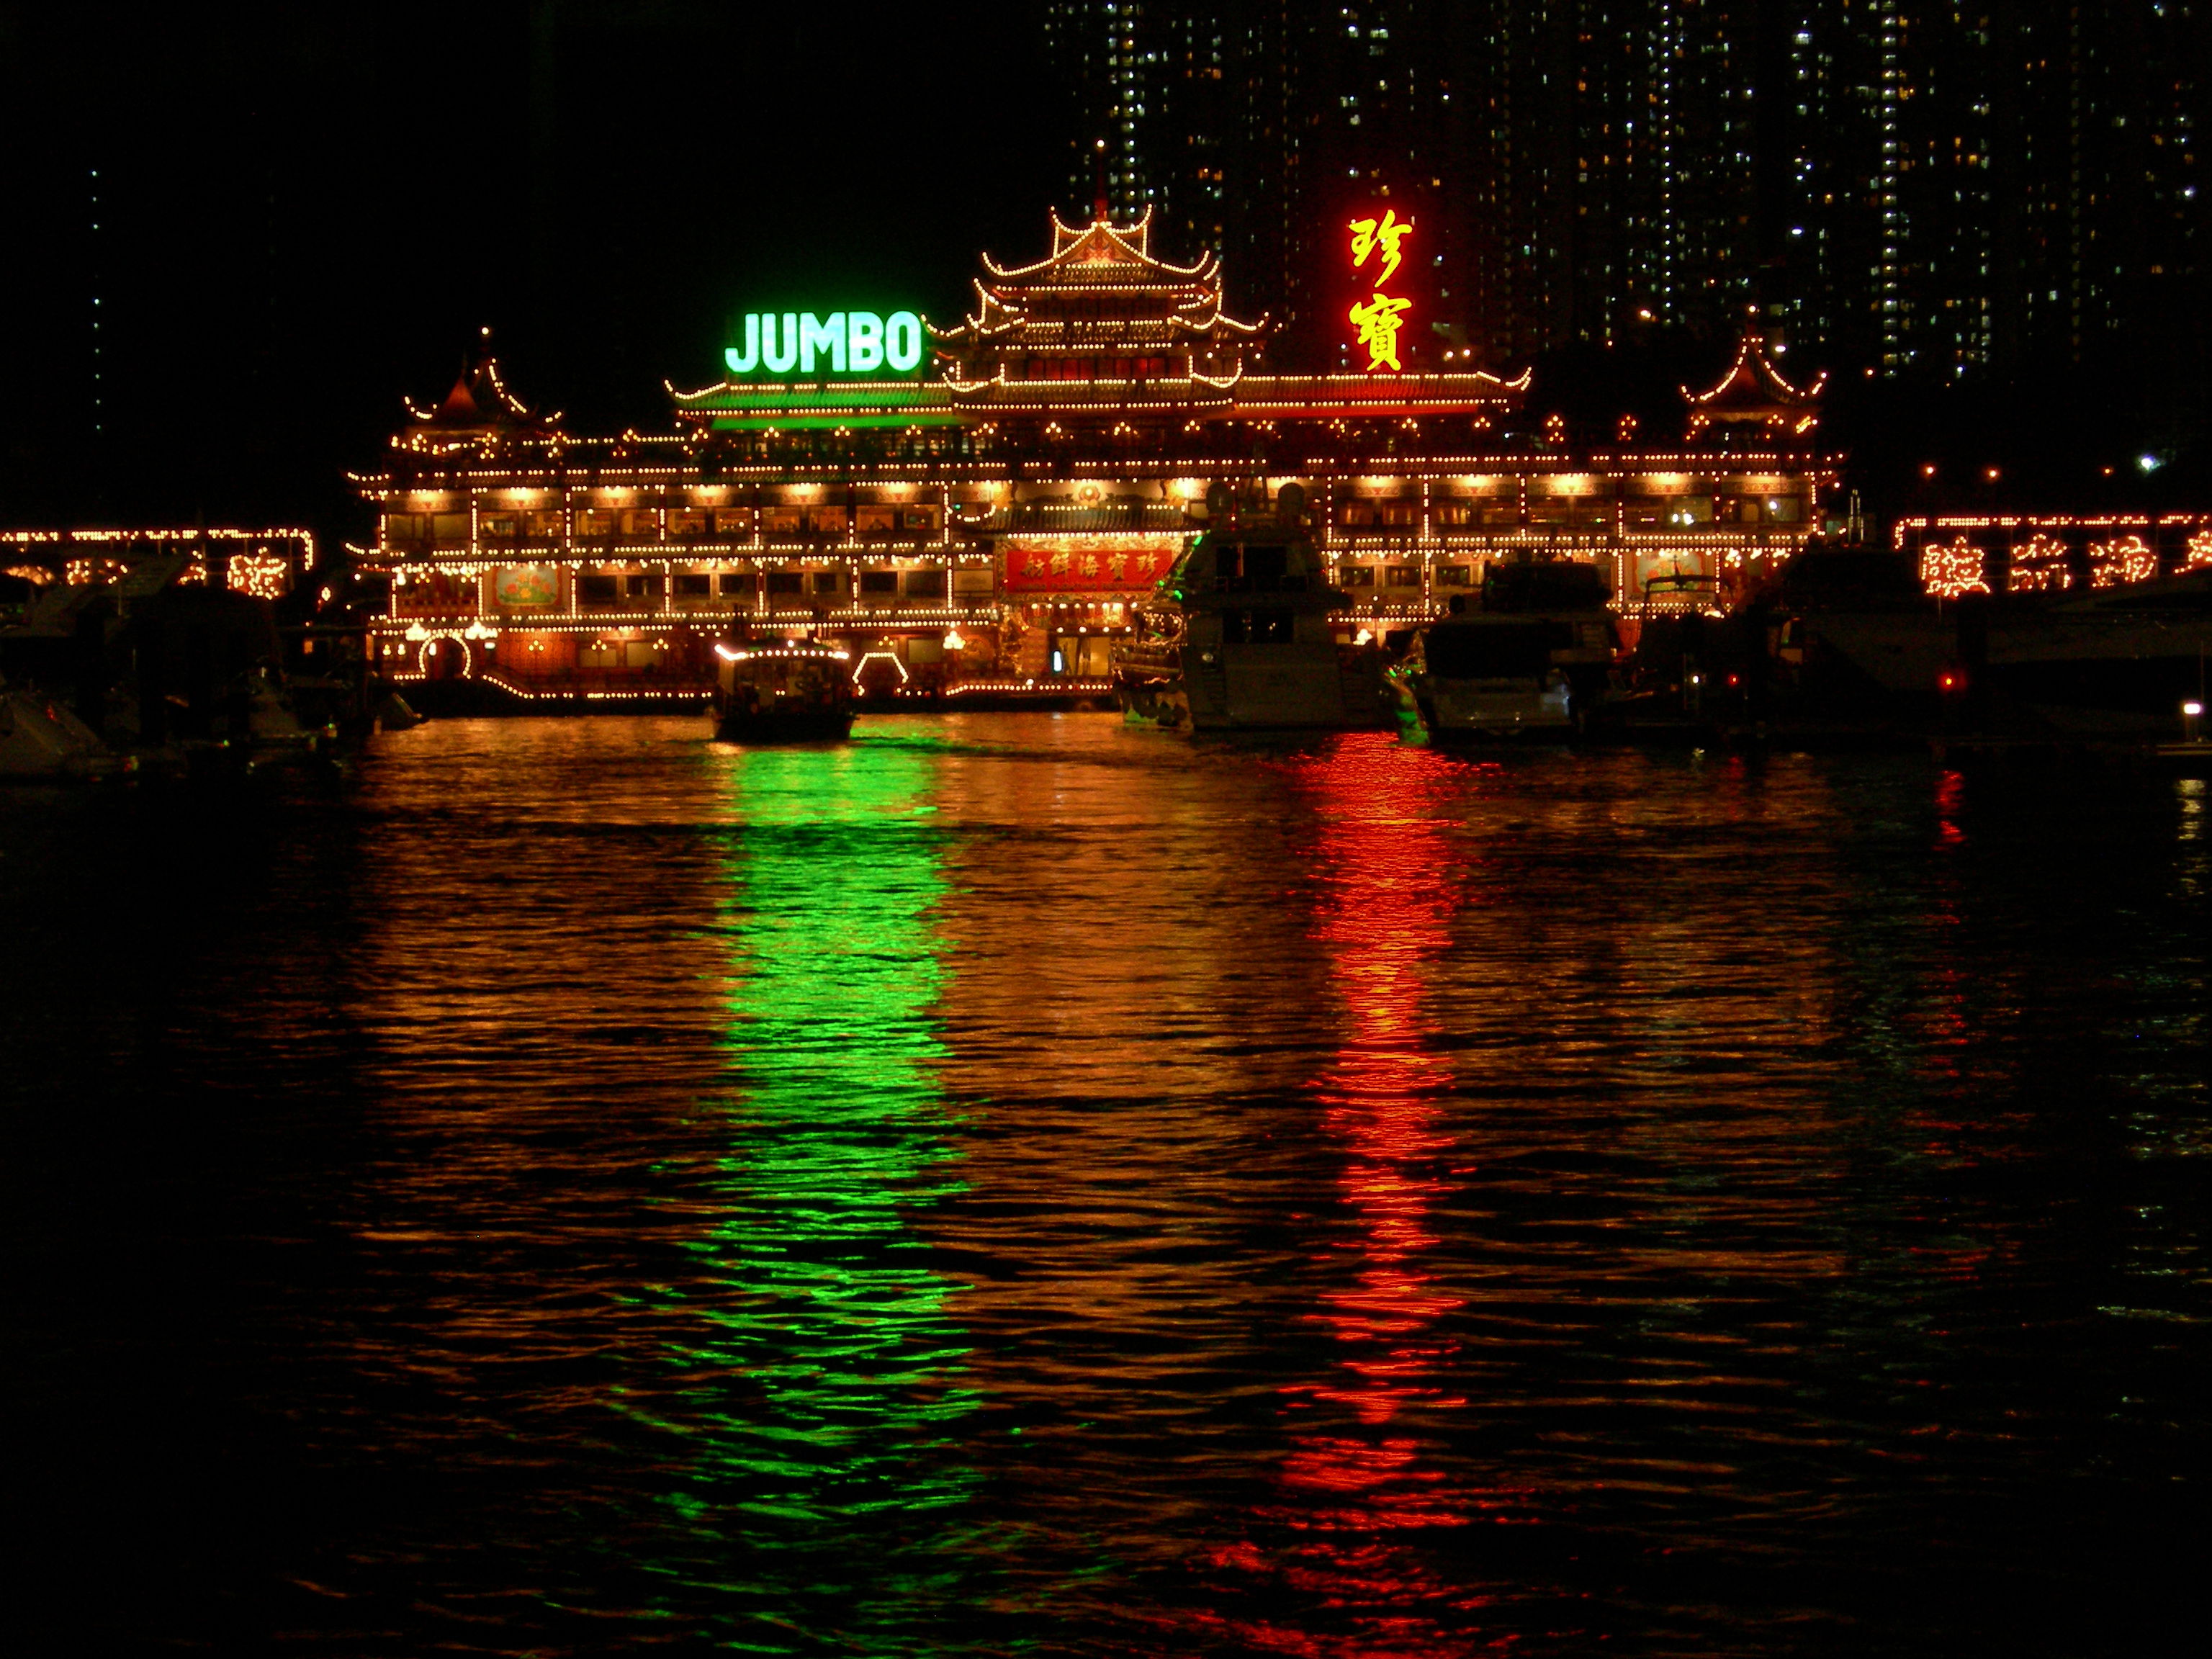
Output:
[[1098, 211], [480, 398], [1754, 393]]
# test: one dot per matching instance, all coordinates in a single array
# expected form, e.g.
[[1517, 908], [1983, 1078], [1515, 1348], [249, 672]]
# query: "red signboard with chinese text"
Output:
[[1087, 564]]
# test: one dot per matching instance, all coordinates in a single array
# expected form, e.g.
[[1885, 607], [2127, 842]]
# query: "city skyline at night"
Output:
[[1925, 189], [251, 242]]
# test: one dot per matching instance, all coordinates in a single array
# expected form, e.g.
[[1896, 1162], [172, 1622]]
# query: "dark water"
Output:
[[1017, 1185]]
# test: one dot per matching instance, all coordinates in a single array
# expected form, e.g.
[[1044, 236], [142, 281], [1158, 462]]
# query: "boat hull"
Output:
[[1458, 712], [2105, 662], [1255, 688], [41, 740], [1507, 675]]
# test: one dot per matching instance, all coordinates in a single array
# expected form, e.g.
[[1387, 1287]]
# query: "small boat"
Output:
[[1238, 638], [1533, 661], [794, 691], [41, 740]]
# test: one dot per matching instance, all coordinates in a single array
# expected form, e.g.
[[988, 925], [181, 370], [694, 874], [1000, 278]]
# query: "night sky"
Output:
[[305, 213]]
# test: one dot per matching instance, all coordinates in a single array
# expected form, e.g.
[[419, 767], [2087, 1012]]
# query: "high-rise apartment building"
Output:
[[1989, 186], [1578, 170], [1247, 125], [1616, 164], [1929, 189]]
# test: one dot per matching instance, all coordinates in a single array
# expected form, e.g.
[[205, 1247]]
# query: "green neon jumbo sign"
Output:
[[844, 343]]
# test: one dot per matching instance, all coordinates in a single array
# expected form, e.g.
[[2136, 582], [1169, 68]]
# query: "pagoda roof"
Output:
[[858, 404], [996, 315], [479, 400], [1754, 389], [1106, 252], [851, 404], [1340, 397], [1098, 259]]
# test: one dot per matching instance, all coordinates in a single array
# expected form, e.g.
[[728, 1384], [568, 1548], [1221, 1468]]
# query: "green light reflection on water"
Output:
[[822, 1463]]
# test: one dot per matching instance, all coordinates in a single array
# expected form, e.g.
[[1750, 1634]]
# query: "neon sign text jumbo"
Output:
[[844, 343]]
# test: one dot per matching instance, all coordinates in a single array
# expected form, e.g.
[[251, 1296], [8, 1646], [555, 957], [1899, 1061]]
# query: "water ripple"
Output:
[[1015, 1182]]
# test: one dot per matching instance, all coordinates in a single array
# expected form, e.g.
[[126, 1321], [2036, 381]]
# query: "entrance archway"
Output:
[[879, 674], [445, 659]]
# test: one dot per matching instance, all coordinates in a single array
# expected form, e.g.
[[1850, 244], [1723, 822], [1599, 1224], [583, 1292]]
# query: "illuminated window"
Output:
[[1400, 514]]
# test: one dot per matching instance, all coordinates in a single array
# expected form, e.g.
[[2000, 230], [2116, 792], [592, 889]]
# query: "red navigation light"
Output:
[[1950, 682]]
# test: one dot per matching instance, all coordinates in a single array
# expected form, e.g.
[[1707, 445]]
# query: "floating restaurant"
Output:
[[982, 507]]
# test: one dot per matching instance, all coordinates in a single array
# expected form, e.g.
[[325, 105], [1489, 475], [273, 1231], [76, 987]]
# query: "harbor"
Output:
[[1089, 493], [142, 662], [1096, 831], [1029, 1174]]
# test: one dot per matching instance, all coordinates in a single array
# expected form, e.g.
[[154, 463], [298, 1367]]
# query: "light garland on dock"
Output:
[[2123, 559], [2039, 565], [1050, 687], [1950, 570]]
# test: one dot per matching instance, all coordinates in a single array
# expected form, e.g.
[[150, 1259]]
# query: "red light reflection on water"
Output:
[[1353, 1490], [1390, 896]]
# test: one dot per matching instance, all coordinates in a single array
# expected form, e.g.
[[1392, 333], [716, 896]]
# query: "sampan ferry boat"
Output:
[[790, 691]]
